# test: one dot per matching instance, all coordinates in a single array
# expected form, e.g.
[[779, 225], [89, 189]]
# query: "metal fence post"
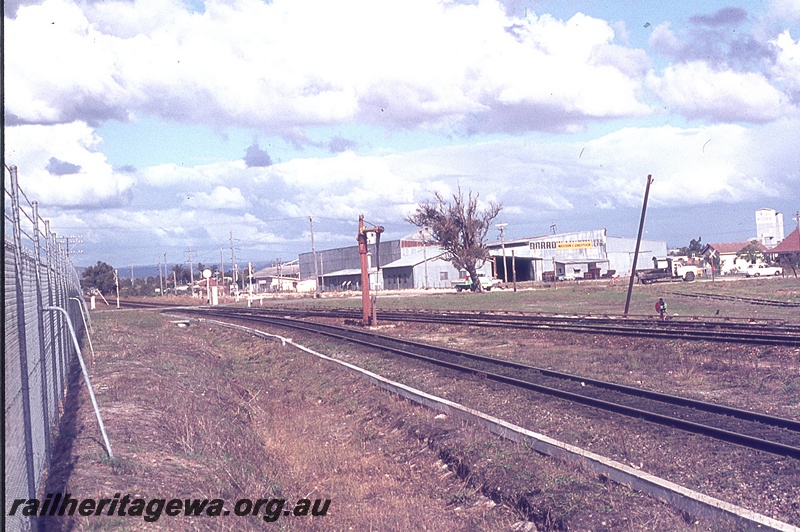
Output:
[[59, 375], [38, 276], [21, 331], [62, 340], [40, 326]]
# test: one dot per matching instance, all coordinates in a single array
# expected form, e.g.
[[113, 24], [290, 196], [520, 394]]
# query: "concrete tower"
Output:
[[769, 227]]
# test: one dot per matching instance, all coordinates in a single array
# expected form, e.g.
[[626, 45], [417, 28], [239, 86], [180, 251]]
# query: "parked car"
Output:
[[759, 270]]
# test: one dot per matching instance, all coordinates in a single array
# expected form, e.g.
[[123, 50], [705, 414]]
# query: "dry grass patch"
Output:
[[205, 412]]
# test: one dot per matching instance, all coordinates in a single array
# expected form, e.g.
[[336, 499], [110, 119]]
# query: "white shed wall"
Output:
[[621, 249]]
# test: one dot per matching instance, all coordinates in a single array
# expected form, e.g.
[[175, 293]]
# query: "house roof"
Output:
[[790, 244], [733, 247]]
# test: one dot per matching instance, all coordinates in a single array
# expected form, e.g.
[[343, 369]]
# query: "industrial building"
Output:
[[411, 262], [415, 262], [566, 256]]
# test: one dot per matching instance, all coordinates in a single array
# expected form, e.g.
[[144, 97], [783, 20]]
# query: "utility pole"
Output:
[[797, 217], [116, 282], [70, 240], [425, 253], [233, 264], [514, 270], [222, 271], [191, 272], [160, 279], [502, 228], [638, 242], [165, 272], [314, 254]]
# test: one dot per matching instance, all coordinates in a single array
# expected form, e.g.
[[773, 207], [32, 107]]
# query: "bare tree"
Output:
[[460, 228]]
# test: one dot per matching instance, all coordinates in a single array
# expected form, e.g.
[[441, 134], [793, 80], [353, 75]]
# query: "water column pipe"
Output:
[[368, 315], [362, 251]]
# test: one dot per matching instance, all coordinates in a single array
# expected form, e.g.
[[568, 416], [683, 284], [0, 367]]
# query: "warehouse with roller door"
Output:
[[566, 256]]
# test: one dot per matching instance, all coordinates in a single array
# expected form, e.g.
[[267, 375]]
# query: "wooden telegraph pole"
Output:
[[317, 280], [638, 242]]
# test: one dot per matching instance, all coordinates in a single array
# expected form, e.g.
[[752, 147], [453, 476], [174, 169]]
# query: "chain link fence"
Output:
[[38, 346]]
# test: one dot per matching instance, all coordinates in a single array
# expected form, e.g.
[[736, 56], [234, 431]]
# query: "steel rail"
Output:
[[694, 322], [791, 340], [746, 415], [369, 339], [749, 300], [695, 331], [147, 304]]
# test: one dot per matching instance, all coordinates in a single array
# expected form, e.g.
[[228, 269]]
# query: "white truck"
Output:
[[466, 284], [667, 270], [760, 270]]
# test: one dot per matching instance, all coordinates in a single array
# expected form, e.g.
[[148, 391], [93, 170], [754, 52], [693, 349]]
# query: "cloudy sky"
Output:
[[159, 126]]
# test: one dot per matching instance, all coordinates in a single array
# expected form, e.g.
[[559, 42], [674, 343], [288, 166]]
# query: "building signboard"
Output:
[[566, 244]]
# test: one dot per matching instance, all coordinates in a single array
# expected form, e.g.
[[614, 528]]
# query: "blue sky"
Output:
[[158, 126]]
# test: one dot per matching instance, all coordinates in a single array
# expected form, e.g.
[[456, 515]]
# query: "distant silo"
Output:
[[769, 227]]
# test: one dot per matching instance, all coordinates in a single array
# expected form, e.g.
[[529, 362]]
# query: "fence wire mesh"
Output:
[[37, 347]]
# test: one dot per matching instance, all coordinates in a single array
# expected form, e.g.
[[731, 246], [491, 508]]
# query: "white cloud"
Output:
[[58, 68], [283, 64], [722, 163], [95, 184], [535, 181], [696, 91], [787, 67], [217, 199], [164, 175], [341, 186]]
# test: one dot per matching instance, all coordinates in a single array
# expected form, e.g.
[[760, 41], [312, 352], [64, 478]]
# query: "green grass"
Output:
[[594, 297]]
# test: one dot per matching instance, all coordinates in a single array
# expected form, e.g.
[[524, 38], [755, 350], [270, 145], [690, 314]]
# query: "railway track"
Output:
[[754, 332], [750, 429], [748, 300], [133, 304]]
